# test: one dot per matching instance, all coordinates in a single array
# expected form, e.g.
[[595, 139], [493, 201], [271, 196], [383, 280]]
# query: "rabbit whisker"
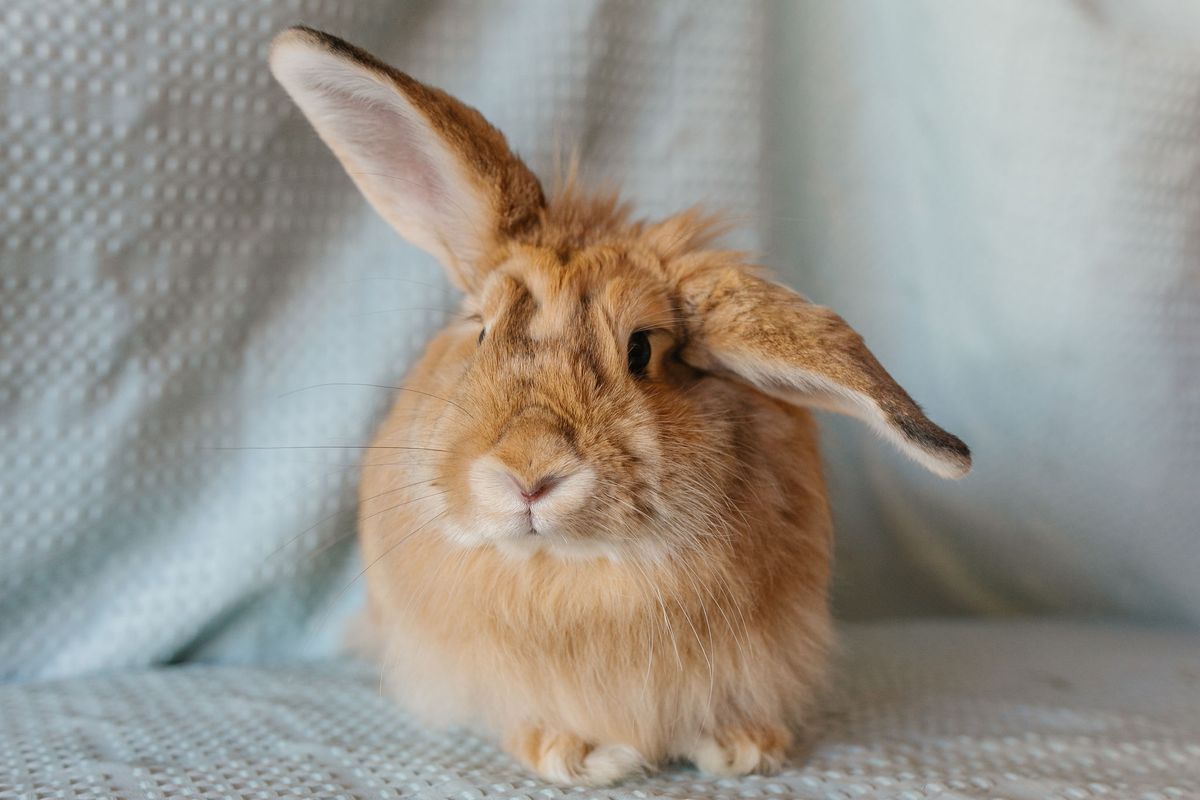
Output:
[[331, 447], [379, 386], [333, 602]]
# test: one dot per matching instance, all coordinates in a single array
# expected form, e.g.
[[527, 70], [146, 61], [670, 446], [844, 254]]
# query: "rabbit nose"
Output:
[[534, 491]]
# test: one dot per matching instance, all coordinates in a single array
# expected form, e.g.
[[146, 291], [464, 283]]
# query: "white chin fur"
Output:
[[559, 547], [511, 537]]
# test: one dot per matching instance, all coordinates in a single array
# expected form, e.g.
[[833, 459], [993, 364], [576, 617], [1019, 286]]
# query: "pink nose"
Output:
[[536, 491]]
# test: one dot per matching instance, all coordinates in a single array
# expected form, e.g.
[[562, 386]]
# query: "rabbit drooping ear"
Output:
[[775, 340], [431, 166]]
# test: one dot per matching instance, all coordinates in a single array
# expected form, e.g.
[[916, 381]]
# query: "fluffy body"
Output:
[[677, 609], [594, 523]]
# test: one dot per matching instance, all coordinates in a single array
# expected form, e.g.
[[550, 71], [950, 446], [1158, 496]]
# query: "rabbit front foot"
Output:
[[568, 760], [741, 750]]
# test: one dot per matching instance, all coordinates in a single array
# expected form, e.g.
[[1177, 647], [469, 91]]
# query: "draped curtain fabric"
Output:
[[1004, 197], [1000, 195]]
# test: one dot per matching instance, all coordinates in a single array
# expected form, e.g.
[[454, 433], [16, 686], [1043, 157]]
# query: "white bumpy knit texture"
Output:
[[185, 268], [949, 711]]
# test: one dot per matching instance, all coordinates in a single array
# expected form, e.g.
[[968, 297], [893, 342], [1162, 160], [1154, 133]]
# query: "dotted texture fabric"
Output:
[[1018, 711], [185, 272]]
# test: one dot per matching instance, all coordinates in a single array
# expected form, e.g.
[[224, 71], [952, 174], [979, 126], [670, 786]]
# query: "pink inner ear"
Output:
[[388, 147]]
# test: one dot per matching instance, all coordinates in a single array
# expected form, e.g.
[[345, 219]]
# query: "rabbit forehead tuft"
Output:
[[618, 287]]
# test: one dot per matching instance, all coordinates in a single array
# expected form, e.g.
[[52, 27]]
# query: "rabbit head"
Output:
[[590, 405]]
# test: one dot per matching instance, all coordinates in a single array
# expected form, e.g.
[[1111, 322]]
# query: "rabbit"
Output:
[[594, 522]]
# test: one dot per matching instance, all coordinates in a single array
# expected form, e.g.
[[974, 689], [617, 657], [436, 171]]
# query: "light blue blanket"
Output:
[[196, 309], [196, 306]]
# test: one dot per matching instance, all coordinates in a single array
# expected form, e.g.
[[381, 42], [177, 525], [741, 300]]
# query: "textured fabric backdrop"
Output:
[[184, 264], [1001, 195]]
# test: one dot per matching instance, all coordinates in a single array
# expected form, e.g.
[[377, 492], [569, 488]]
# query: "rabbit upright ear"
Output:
[[431, 166], [791, 349]]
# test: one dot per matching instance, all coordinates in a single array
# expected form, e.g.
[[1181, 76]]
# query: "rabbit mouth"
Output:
[[531, 524], [569, 535]]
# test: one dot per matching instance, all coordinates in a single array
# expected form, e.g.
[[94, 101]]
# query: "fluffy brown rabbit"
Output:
[[620, 550]]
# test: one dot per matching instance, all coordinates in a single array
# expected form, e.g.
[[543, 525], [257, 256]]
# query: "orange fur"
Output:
[[704, 613], [665, 597]]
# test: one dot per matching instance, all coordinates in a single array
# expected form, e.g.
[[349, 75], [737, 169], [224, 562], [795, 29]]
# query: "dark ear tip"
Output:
[[960, 455], [951, 458], [951, 463], [958, 447], [304, 36], [291, 41], [297, 34], [950, 453]]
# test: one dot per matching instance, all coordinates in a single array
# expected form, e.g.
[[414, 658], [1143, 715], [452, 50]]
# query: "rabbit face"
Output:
[[582, 411]]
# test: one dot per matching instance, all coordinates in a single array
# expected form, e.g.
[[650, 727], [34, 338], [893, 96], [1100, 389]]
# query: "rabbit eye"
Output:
[[639, 353], [482, 333]]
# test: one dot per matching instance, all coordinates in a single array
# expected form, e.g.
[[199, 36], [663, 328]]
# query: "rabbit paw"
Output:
[[742, 750], [566, 759]]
